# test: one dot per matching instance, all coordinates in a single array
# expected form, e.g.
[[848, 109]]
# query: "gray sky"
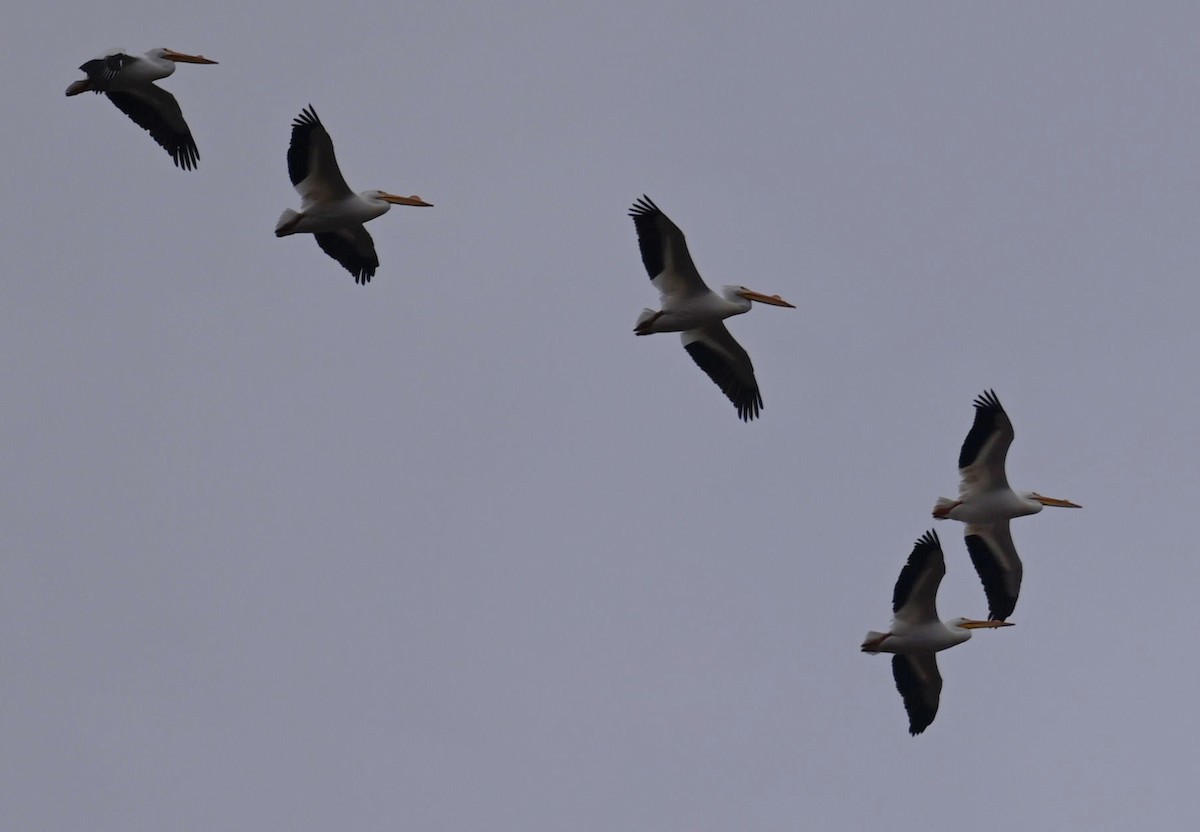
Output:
[[457, 551]]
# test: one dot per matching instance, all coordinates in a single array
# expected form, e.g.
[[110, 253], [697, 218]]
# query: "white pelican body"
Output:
[[690, 307], [917, 633], [329, 210], [930, 636], [992, 505], [681, 314], [986, 504], [335, 214], [128, 81]]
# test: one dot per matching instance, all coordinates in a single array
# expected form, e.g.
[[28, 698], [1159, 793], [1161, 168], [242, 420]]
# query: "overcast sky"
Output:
[[457, 552]]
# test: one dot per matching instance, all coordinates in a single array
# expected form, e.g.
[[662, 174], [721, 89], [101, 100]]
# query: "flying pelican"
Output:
[[917, 634], [986, 504], [690, 307], [128, 81], [329, 210]]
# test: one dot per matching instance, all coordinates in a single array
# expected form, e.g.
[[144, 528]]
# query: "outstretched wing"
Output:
[[665, 253], [981, 460], [914, 598], [920, 685], [312, 166], [353, 248], [719, 355], [156, 111], [1000, 570]]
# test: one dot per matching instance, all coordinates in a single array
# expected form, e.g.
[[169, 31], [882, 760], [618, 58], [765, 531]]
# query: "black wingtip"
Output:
[[988, 400], [643, 206], [749, 411], [186, 157], [927, 540], [307, 118]]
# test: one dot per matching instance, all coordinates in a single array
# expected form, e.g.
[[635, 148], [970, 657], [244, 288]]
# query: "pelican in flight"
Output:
[[329, 210], [986, 504], [691, 308], [128, 81], [917, 634]]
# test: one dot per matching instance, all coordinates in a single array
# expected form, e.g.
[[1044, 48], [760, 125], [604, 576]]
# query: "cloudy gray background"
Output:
[[455, 551]]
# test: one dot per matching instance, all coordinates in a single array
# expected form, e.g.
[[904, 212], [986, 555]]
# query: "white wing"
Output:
[[665, 254], [914, 599], [981, 460], [312, 166]]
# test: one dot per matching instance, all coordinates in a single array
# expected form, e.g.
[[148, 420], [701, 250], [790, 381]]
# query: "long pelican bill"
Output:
[[772, 300], [984, 625], [184, 58], [1054, 501], [405, 200]]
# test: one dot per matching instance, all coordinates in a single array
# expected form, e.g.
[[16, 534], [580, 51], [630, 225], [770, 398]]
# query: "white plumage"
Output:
[[329, 210], [916, 632], [691, 308], [986, 503]]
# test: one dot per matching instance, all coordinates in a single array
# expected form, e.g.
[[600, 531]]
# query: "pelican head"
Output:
[[180, 57], [1050, 501], [736, 293]]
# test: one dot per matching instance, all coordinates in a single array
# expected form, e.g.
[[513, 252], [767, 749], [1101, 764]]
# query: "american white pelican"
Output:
[[917, 634], [128, 81], [690, 307], [986, 504], [329, 210]]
